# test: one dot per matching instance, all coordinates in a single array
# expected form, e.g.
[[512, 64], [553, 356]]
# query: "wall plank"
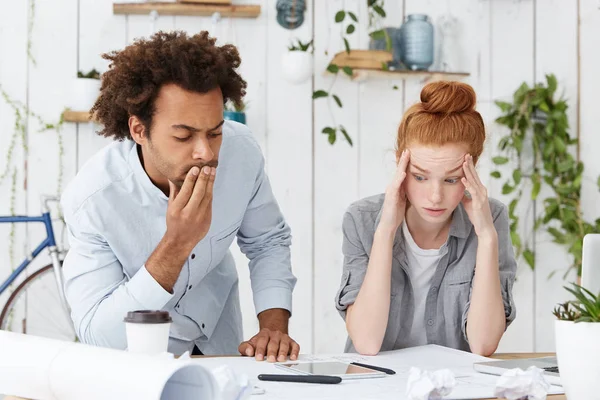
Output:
[[480, 67], [380, 108], [512, 63], [289, 144], [55, 49], [590, 82], [99, 32], [336, 169]]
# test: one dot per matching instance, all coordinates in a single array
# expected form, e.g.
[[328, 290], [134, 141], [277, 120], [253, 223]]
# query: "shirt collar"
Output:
[[141, 175]]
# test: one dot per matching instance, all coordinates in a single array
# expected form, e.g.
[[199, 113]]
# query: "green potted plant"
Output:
[[297, 63], [235, 112], [84, 90], [577, 330]]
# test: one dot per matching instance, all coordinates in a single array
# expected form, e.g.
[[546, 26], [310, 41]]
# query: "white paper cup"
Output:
[[147, 331]]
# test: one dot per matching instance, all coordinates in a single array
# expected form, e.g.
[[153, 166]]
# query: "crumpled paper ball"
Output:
[[516, 384], [425, 385]]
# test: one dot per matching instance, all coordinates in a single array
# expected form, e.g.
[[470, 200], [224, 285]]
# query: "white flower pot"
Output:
[[83, 93], [578, 352], [297, 66]]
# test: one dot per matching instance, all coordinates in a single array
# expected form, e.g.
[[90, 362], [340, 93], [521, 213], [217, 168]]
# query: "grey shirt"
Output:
[[449, 296]]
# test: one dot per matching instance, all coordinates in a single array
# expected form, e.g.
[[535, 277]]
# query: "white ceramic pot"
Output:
[[83, 94], [578, 352], [297, 66]]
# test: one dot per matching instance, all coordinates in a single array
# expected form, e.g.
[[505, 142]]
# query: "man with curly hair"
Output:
[[151, 217]]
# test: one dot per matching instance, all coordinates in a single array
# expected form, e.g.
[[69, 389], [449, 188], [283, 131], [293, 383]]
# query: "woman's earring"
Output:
[[467, 194]]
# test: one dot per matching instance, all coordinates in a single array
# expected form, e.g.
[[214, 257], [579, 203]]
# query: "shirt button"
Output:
[[190, 287], [193, 256], [434, 288], [430, 322], [203, 325], [177, 306]]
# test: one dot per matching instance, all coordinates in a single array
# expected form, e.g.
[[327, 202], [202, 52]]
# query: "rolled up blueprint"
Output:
[[46, 369]]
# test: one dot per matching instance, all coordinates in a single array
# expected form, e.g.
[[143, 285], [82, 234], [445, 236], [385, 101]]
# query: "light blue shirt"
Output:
[[116, 217]]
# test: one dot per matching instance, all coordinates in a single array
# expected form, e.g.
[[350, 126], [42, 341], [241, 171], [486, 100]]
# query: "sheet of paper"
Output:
[[471, 385], [39, 368]]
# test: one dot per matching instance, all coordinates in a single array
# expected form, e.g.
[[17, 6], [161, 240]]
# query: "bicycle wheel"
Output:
[[35, 308]]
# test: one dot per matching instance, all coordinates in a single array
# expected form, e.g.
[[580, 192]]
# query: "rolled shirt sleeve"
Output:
[[355, 265]]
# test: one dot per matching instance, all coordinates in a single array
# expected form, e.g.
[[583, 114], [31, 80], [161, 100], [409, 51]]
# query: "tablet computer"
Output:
[[332, 368]]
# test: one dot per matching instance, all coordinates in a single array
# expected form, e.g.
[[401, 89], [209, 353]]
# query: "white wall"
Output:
[[504, 42]]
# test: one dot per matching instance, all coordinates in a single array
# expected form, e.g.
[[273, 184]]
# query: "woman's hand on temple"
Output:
[[394, 204], [477, 204]]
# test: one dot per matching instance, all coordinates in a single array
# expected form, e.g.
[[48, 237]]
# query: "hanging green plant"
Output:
[[30, 31], [332, 131], [340, 18], [21, 113], [376, 11], [537, 118]]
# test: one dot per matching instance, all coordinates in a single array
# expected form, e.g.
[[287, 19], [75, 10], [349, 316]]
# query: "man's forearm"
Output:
[[165, 263], [486, 321], [275, 319]]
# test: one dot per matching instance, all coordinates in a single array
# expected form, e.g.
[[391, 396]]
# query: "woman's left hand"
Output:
[[477, 206]]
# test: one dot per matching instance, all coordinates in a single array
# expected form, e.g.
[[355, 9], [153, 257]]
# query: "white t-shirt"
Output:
[[421, 268]]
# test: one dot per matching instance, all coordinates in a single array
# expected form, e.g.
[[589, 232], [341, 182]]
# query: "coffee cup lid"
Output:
[[148, 317]]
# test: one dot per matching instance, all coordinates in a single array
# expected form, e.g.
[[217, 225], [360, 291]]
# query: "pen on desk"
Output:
[[300, 378], [381, 369]]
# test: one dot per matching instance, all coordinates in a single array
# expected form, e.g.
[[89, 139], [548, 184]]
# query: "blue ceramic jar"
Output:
[[416, 42]]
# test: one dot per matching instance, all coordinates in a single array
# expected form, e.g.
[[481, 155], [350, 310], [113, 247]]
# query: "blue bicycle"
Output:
[[38, 306]]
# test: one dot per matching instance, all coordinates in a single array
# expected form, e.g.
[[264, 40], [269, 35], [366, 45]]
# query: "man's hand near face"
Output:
[[272, 342], [189, 215]]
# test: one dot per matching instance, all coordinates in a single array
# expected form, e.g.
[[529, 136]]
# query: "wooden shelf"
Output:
[[228, 2], [367, 64], [360, 75], [194, 9], [76, 116]]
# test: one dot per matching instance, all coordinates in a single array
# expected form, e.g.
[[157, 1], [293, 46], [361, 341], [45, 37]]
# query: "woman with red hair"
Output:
[[430, 261]]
